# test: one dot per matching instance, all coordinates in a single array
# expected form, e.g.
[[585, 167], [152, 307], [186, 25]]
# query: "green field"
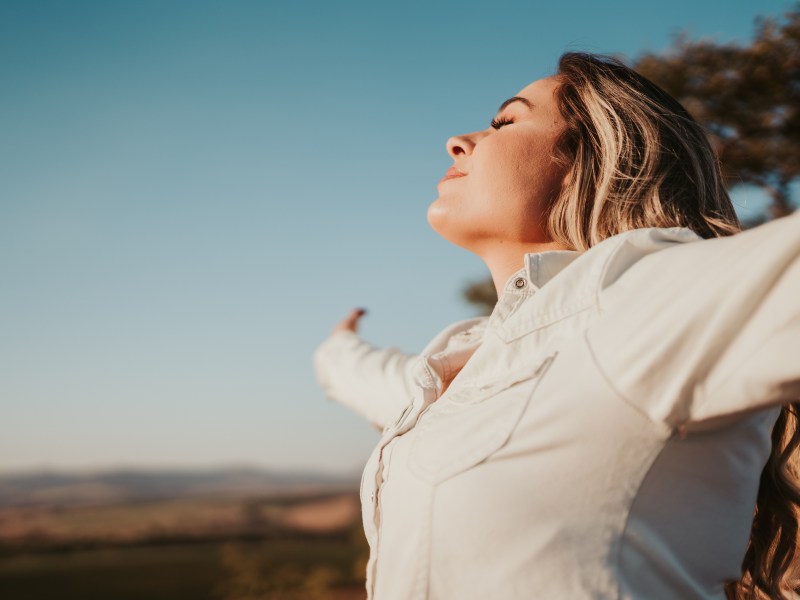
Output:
[[283, 548], [276, 569]]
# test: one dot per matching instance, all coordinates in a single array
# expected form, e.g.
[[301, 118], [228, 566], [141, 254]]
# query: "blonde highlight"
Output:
[[635, 159]]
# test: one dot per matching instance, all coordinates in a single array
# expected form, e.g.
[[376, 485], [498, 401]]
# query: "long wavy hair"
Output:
[[634, 157]]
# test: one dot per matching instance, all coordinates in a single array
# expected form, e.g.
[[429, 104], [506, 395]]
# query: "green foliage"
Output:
[[748, 97], [482, 294], [205, 549], [329, 568], [251, 576]]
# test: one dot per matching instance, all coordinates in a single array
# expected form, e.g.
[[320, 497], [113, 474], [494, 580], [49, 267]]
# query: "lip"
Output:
[[452, 173]]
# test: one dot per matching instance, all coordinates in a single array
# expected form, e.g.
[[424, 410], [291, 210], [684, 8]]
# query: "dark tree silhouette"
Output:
[[748, 97]]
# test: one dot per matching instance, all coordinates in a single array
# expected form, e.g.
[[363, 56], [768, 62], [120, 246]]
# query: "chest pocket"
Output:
[[463, 430]]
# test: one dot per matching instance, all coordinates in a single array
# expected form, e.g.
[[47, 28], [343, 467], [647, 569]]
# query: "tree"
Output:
[[748, 98]]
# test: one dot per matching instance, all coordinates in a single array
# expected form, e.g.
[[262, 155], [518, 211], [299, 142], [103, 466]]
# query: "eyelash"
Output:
[[498, 122]]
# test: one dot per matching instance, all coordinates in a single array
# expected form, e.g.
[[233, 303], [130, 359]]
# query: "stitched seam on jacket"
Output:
[[623, 531], [423, 584], [616, 390]]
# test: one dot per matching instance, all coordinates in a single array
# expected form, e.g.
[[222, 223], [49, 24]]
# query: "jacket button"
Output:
[[519, 283]]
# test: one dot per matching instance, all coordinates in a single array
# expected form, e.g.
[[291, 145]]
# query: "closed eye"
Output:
[[499, 122]]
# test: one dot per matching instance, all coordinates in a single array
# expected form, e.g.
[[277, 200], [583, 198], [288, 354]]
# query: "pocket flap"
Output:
[[453, 436]]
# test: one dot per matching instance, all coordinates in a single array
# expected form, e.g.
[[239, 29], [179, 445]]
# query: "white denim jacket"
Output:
[[606, 434]]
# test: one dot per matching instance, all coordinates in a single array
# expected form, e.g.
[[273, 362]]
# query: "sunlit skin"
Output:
[[494, 198], [497, 209]]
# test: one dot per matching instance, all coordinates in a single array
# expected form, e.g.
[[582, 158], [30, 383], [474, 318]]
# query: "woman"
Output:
[[603, 433]]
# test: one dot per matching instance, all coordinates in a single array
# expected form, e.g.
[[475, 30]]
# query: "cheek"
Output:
[[504, 196], [519, 185], [534, 175], [513, 175]]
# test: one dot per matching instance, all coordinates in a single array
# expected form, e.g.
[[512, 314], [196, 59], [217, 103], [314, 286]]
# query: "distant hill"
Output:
[[74, 489]]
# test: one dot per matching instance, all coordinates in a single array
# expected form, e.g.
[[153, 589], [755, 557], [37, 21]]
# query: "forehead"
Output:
[[541, 93]]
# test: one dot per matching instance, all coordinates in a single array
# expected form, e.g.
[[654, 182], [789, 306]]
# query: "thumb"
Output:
[[350, 322]]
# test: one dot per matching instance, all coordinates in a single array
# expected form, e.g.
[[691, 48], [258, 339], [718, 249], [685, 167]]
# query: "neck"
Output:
[[504, 262]]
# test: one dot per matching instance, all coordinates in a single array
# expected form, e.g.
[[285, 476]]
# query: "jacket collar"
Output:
[[540, 267], [581, 278]]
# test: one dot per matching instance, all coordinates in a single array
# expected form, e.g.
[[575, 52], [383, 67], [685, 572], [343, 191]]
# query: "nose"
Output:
[[460, 144]]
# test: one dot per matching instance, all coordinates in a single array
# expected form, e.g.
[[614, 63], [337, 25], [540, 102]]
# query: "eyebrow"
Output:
[[525, 101]]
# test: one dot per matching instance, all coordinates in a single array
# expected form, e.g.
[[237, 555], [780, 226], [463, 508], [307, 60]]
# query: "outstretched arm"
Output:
[[709, 330], [375, 383]]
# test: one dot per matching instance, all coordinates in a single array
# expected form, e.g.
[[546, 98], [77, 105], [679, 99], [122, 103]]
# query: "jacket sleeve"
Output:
[[375, 383], [706, 331]]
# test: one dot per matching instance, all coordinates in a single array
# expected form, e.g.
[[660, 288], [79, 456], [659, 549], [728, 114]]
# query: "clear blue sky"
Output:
[[193, 192]]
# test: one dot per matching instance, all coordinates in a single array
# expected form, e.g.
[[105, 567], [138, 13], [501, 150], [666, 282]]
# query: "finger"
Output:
[[350, 322]]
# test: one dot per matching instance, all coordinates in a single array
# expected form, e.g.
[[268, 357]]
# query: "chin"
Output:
[[442, 222], [437, 218]]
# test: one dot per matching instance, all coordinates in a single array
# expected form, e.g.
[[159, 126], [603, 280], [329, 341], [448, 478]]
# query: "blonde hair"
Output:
[[634, 158]]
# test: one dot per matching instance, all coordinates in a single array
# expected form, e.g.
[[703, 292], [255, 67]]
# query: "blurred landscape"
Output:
[[218, 534], [194, 192]]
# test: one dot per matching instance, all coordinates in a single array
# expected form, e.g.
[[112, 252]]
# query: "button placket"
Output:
[[401, 419]]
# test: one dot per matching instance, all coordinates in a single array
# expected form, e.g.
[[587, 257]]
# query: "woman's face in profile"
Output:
[[502, 177]]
